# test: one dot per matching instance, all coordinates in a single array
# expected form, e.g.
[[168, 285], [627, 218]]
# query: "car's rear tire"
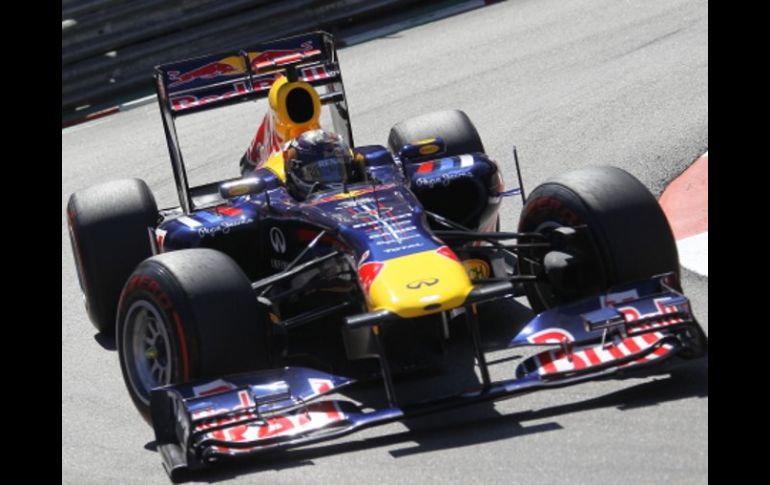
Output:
[[453, 126], [630, 238], [108, 232], [186, 315]]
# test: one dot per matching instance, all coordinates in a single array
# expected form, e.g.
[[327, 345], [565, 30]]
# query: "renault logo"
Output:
[[417, 284]]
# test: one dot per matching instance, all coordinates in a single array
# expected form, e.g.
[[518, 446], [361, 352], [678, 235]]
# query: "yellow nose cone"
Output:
[[420, 284]]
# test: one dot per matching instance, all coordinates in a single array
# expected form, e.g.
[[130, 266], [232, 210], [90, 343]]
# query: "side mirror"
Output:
[[422, 150], [237, 188]]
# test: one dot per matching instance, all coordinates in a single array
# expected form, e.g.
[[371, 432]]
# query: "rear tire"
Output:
[[185, 315], [630, 236], [453, 126], [108, 233]]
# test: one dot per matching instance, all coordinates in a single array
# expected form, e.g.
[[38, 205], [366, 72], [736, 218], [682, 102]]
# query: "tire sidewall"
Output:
[[629, 236], [209, 311], [162, 294], [108, 235]]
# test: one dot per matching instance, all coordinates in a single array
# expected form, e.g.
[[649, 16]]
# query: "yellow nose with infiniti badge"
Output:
[[420, 284]]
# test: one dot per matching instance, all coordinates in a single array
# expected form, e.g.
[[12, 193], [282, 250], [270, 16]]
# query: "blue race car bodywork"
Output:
[[378, 262]]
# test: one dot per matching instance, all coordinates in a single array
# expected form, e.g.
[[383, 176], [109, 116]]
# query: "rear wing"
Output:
[[218, 80]]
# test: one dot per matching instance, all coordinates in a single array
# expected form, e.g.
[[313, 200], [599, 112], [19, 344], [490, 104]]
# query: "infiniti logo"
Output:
[[417, 284], [277, 240]]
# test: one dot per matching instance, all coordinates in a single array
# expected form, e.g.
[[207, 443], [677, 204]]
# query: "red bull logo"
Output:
[[181, 103], [234, 65], [263, 59], [229, 66]]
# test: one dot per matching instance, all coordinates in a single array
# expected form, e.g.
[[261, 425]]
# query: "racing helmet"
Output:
[[319, 160]]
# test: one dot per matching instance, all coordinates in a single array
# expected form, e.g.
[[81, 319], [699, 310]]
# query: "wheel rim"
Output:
[[544, 291], [147, 349], [550, 296]]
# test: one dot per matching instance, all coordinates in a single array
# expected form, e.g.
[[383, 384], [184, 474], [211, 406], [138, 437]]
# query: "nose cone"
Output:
[[419, 284]]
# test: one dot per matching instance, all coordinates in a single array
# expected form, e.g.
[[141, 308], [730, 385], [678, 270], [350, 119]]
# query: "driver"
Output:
[[319, 160]]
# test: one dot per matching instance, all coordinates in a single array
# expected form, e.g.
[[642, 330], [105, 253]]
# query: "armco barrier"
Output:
[[109, 47]]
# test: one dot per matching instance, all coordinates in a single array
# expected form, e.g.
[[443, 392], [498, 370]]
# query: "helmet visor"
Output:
[[326, 171]]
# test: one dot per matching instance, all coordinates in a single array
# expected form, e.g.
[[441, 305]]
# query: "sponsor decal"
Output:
[[277, 240], [444, 179], [347, 204], [555, 361], [237, 190], [428, 149], [376, 222], [551, 204], [632, 314], [264, 143], [367, 212], [466, 161], [426, 167], [368, 272], [404, 247], [160, 236], [320, 386], [551, 336], [229, 66], [417, 284], [213, 387], [315, 73], [345, 195], [235, 66], [314, 416], [229, 211], [223, 227], [477, 269], [447, 253], [245, 402], [187, 101]]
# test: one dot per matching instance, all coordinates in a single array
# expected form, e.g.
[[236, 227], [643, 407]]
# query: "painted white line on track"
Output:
[[694, 253]]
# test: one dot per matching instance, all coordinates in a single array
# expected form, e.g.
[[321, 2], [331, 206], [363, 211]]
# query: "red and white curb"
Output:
[[685, 202], [110, 111]]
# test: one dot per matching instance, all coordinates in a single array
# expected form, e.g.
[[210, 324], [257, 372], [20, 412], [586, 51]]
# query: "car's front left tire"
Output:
[[187, 315]]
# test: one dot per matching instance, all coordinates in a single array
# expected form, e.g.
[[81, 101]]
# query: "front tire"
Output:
[[629, 236], [185, 315]]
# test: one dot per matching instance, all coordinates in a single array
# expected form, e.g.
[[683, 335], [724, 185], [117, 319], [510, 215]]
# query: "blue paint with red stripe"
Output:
[[383, 217]]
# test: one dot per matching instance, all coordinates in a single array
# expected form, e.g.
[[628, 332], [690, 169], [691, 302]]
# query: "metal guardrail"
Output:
[[109, 47]]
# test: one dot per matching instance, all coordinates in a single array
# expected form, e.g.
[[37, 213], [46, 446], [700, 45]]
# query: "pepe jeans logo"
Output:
[[417, 284], [277, 240]]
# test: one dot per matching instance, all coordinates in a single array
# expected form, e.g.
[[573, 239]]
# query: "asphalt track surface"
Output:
[[572, 84]]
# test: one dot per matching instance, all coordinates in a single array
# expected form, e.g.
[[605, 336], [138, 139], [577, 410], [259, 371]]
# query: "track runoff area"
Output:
[[685, 202]]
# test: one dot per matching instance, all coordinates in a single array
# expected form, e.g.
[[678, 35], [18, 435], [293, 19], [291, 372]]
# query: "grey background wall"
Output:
[[109, 47]]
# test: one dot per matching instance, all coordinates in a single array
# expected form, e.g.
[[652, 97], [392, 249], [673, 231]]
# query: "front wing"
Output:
[[630, 330]]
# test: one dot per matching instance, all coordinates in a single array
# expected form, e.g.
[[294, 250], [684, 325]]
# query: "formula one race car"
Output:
[[240, 315]]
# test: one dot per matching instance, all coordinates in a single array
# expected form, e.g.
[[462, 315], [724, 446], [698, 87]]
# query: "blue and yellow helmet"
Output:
[[319, 160]]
